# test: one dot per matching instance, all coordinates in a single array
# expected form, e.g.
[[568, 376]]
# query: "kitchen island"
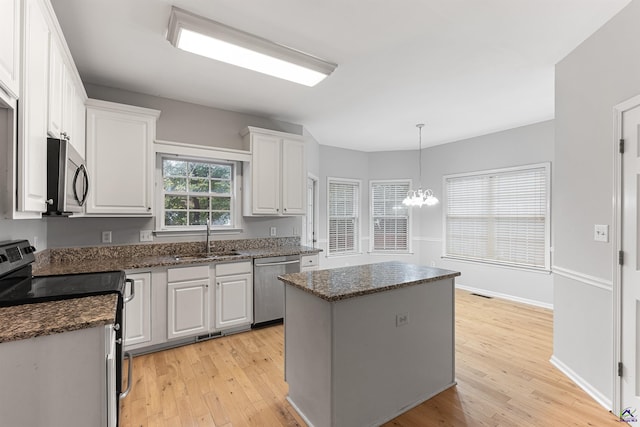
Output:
[[364, 344]]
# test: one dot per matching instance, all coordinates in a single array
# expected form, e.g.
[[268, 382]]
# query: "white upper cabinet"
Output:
[[120, 159], [274, 181], [10, 46], [56, 73], [32, 114]]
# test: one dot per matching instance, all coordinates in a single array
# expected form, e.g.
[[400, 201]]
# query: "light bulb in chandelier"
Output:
[[420, 197]]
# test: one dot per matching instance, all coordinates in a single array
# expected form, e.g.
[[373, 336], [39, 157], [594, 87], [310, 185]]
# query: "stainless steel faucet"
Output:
[[208, 232]]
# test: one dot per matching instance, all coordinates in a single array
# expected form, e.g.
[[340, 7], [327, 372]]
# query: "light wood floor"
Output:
[[502, 368]]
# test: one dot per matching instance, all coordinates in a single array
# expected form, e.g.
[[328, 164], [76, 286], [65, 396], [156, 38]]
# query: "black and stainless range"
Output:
[[18, 286]]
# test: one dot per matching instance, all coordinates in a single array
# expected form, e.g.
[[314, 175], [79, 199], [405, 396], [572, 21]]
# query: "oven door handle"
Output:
[[129, 358], [269, 264], [133, 290]]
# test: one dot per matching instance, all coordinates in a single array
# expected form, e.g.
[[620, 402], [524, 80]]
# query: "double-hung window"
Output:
[[499, 216], [194, 190], [390, 219], [344, 216]]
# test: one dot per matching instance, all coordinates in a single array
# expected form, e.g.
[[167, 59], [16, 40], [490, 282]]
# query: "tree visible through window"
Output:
[[194, 191]]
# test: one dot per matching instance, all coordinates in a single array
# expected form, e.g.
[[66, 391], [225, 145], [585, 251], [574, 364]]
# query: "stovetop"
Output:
[[18, 286]]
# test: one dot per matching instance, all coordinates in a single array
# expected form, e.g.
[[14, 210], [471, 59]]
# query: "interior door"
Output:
[[630, 274]]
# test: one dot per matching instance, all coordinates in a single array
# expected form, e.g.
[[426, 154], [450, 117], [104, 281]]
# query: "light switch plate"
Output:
[[601, 233]]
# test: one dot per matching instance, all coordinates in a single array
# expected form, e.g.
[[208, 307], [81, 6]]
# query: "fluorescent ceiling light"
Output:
[[214, 40]]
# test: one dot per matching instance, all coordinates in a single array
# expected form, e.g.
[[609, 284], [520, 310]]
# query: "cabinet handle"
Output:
[[127, 356], [149, 208], [218, 284], [285, 209], [133, 290]]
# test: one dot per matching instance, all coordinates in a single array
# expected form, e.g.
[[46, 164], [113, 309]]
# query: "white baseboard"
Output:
[[580, 382], [505, 296]]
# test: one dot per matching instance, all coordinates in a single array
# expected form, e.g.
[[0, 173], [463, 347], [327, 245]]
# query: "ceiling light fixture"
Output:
[[214, 40], [420, 197]]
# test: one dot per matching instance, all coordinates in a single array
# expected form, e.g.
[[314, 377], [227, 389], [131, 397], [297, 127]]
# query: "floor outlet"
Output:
[[106, 237]]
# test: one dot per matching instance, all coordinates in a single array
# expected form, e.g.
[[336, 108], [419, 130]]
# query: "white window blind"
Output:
[[499, 216], [344, 216], [389, 217]]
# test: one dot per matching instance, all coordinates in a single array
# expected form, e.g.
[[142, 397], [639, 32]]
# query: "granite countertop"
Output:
[[131, 261], [33, 320], [348, 282]]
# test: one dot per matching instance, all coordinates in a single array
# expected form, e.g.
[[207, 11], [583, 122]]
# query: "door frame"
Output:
[[616, 244]]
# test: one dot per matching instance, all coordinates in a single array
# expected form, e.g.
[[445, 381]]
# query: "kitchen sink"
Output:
[[206, 256]]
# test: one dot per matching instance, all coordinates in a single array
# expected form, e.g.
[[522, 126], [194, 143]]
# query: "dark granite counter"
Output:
[[348, 282], [46, 318]]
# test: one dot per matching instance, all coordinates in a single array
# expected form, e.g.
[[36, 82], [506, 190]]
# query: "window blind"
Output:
[[344, 207], [499, 216], [389, 217]]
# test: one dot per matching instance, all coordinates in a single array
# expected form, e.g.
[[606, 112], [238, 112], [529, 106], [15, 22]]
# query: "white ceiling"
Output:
[[464, 67]]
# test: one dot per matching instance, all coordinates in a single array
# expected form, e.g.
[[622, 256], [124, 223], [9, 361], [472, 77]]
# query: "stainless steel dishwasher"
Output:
[[268, 291]]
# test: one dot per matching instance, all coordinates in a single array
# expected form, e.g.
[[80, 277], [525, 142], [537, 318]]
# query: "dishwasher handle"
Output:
[[268, 264]]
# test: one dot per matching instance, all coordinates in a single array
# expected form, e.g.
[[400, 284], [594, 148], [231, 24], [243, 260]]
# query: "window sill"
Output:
[[499, 265], [343, 255], [386, 253]]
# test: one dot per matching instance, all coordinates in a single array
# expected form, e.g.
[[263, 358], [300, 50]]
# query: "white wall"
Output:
[[520, 146], [602, 72]]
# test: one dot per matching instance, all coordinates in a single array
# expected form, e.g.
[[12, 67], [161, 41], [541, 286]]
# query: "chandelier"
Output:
[[420, 197]]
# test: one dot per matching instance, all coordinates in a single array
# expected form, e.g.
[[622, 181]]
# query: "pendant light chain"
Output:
[[420, 197]]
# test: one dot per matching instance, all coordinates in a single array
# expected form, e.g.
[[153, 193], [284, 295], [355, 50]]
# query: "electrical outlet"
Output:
[[601, 233], [402, 319], [296, 232], [146, 235], [433, 263], [106, 237], [272, 231]]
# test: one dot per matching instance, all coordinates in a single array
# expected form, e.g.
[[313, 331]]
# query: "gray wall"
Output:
[[33, 229], [520, 146], [602, 72]]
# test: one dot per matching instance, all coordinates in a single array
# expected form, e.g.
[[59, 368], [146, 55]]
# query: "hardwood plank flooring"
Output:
[[502, 369]]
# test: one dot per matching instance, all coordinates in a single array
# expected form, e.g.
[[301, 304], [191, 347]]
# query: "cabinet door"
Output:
[[10, 46], [119, 160], [234, 301], [68, 101], [265, 169], [137, 312], [187, 308], [78, 137], [32, 114], [56, 76], [294, 180]]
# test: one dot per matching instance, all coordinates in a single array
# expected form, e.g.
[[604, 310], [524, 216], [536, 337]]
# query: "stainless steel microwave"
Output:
[[67, 178]]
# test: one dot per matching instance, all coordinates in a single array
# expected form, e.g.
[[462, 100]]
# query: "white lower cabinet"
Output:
[[234, 295], [188, 301], [137, 312], [64, 379]]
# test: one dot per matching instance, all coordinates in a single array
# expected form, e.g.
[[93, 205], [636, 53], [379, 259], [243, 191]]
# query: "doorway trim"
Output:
[[616, 244]]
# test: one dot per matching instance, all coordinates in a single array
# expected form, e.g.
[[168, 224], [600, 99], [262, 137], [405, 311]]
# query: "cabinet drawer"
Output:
[[233, 268], [188, 273], [309, 260]]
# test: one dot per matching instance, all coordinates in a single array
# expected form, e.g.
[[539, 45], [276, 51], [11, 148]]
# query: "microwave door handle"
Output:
[[85, 177], [75, 183]]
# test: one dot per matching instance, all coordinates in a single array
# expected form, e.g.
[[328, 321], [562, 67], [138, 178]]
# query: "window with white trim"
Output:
[[499, 216], [344, 216], [194, 190], [390, 219]]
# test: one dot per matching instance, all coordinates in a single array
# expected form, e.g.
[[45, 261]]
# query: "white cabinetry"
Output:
[[234, 295], [120, 158], [188, 301], [66, 115], [59, 380], [274, 181], [32, 114], [309, 262], [137, 312], [10, 46]]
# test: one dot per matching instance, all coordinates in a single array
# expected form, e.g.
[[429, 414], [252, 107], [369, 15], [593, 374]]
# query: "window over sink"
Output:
[[195, 190]]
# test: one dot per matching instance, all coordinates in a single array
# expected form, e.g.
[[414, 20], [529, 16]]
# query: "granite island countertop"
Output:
[[33, 320], [348, 282]]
